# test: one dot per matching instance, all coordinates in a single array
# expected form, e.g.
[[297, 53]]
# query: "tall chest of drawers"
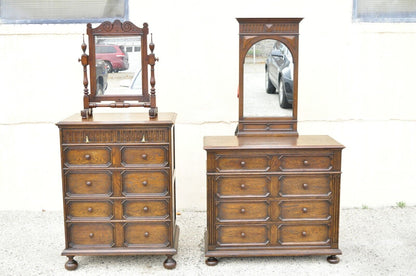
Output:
[[118, 181], [272, 196]]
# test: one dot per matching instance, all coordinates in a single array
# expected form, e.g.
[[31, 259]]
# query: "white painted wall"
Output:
[[356, 83]]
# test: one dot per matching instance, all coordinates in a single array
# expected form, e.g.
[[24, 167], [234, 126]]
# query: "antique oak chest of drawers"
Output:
[[272, 196], [118, 179]]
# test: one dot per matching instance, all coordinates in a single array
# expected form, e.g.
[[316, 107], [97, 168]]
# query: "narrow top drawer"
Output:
[[118, 135]]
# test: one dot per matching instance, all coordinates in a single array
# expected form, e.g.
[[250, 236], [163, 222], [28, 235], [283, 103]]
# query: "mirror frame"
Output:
[[91, 100], [253, 30]]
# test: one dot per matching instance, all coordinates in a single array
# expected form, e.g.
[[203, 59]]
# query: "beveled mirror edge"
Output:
[[252, 30], [91, 100]]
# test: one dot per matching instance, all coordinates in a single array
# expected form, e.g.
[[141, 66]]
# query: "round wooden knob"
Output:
[[242, 210], [91, 235], [243, 186], [144, 156], [304, 233], [146, 234], [88, 183], [145, 208], [304, 209], [242, 163], [305, 186], [305, 162], [144, 183], [243, 235], [90, 209], [87, 157]]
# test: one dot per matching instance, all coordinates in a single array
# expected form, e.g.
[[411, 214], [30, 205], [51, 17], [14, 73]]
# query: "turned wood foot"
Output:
[[333, 259], [71, 264], [211, 261], [169, 263]]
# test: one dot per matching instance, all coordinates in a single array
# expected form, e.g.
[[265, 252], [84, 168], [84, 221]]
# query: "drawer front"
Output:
[[305, 162], [89, 209], [255, 235], [241, 163], [78, 183], [243, 211], [304, 235], [243, 186], [304, 185], [144, 156], [305, 210], [124, 135], [146, 209], [145, 183], [87, 156], [91, 235], [146, 234]]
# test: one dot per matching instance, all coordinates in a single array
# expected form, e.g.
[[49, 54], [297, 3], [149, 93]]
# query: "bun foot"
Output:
[[71, 264], [333, 259], [211, 261], [169, 263]]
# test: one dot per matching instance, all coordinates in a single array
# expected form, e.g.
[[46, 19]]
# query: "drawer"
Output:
[[304, 235], [87, 156], [136, 183], [89, 209], [90, 235], [304, 185], [255, 235], [241, 163], [147, 234], [242, 186], [243, 211], [312, 162], [144, 156], [123, 135], [96, 183], [146, 209], [305, 210]]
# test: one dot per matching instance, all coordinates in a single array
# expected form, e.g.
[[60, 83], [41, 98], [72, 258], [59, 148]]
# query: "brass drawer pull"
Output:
[[91, 235], [306, 163], [87, 157], [305, 186], [243, 164], [146, 234], [242, 186], [242, 210], [304, 233], [144, 183], [90, 209], [305, 210], [145, 208], [144, 156], [243, 235], [88, 183]]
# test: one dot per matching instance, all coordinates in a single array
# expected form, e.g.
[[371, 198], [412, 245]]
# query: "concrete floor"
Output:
[[378, 241]]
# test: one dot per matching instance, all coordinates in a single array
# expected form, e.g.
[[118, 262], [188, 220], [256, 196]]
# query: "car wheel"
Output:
[[282, 97], [270, 89], [108, 66]]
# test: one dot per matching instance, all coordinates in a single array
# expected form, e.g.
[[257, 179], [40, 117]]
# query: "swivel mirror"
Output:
[[118, 67], [268, 76]]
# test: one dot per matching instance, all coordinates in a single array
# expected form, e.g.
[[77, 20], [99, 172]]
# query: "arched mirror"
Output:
[[118, 63], [268, 76]]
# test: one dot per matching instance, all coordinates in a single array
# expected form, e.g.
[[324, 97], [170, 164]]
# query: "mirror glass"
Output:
[[268, 80], [118, 65]]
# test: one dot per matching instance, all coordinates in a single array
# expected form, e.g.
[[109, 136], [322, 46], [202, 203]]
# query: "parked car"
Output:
[[114, 56], [101, 76], [279, 74]]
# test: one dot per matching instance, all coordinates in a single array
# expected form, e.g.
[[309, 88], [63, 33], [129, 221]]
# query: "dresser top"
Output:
[[119, 118], [303, 141]]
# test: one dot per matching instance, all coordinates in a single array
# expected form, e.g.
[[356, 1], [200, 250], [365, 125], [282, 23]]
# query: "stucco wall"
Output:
[[356, 83]]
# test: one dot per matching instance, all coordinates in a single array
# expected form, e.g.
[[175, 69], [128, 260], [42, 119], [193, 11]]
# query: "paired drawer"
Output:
[[144, 156], [304, 235], [304, 185], [87, 156], [78, 210], [236, 235], [122, 135], [238, 186], [136, 183], [306, 162], [230, 163], [90, 183], [146, 209], [91, 234], [305, 210], [147, 234], [243, 211]]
